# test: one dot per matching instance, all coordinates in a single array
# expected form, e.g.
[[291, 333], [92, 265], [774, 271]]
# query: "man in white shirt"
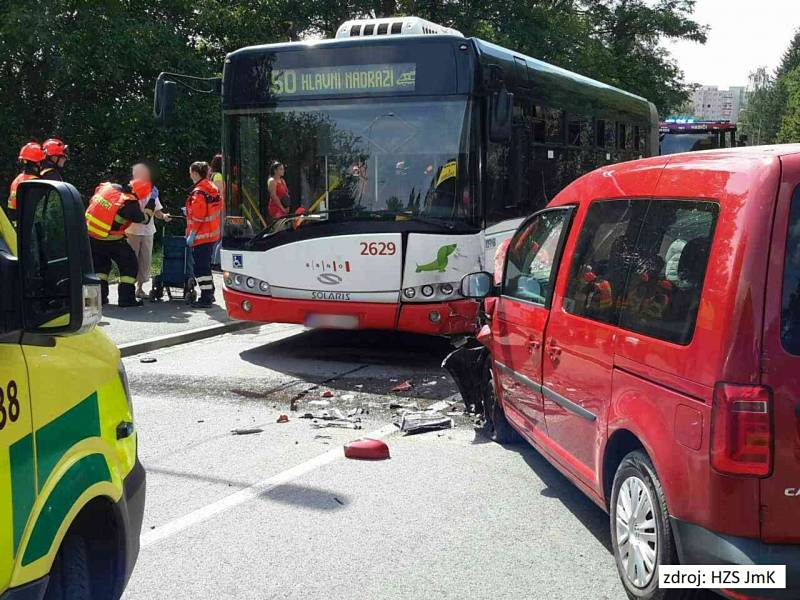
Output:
[[140, 235]]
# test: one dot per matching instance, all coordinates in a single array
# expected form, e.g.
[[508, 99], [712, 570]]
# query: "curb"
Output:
[[184, 337]]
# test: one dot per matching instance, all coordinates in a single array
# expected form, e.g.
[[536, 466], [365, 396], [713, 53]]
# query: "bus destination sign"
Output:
[[342, 80]]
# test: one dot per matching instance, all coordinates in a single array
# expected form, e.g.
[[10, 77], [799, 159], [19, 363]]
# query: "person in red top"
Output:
[[278, 192], [203, 229], [30, 155]]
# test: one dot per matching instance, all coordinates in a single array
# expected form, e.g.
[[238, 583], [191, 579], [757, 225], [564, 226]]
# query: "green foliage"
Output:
[[84, 70], [773, 106]]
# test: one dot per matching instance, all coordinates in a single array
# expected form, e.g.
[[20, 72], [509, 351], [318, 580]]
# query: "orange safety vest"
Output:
[[102, 219], [204, 213], [12, 197]]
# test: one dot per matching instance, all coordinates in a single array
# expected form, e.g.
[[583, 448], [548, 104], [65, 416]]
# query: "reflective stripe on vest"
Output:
[[102, 219]]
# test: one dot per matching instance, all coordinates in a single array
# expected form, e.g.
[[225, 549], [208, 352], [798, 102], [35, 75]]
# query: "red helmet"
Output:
[[31, 152], [54, 147], [140, 188]]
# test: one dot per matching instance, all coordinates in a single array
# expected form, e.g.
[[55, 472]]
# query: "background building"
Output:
[[714, 104]]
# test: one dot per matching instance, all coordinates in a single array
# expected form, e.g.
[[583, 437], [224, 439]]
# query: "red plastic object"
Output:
[[367, 449], [283, 419], [403, 387]]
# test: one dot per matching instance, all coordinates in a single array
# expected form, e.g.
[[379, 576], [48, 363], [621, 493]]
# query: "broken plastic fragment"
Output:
[[403, 387], [367, 449], [246, 431], [327, 394], [283, 419]]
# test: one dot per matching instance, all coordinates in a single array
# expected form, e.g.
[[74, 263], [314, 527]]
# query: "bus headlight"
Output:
[[431, 292], [409, 293], [251, 282], [427, 291], [264, 287], [246, 283], [237, 279], [446, 289]]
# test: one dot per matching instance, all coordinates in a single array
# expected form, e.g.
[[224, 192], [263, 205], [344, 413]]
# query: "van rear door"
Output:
[[780, 493]]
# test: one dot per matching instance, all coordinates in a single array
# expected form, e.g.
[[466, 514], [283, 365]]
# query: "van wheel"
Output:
[[641, 536], [69, 577], [495, 425]]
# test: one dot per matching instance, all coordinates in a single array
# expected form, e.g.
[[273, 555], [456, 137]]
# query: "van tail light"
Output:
[[741, 430]]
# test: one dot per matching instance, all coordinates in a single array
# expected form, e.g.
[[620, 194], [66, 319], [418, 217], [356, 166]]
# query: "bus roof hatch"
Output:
[[392, 26]]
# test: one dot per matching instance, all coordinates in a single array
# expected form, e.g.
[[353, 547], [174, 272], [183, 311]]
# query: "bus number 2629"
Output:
[[378, 248]]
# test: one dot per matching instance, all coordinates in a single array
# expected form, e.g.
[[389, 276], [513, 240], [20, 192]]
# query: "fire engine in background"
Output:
[[410, 153], [688, 135]]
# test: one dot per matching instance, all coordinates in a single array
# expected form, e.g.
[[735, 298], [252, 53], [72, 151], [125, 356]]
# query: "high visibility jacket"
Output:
[[204, 213], [102, 218], [12, 197]]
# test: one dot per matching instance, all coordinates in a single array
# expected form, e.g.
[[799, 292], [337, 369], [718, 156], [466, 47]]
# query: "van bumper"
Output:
[[132, 509], [700, 546]]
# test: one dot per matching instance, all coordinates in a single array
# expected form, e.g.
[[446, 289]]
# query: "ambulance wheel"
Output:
[[69, 577]]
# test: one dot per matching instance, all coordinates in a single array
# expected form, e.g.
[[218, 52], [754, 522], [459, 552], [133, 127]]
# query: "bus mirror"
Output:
[[501, 106], [164, 100]]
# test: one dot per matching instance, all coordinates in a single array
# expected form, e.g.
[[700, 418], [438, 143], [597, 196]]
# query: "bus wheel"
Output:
[[69, 577], [495, 425]]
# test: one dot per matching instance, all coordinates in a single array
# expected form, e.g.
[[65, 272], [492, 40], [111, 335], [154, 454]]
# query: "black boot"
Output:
[[206, 300], [104, 291], [127, 295]]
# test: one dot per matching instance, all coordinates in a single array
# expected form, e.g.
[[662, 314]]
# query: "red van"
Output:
[[646, 340]]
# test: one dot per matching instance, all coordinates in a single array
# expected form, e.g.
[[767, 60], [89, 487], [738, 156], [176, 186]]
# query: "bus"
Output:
[[689, 135], [410, 153]]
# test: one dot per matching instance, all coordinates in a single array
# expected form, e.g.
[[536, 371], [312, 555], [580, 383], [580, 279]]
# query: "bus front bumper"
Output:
[[439, 318]]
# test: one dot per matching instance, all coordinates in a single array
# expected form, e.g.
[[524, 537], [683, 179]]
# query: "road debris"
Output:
[[348, 397], [441, 405], [327, 394], [338, 501], [422, 421], [319, 402], [334, 418], [403, 387], [367, 449], [283, 419], [148, 359], [433, 382], [246, 431]]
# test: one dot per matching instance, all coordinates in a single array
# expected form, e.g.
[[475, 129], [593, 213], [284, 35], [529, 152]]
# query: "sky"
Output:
[[743, 35]]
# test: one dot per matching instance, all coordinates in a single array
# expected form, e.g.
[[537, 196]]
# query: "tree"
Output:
[[789, 131]]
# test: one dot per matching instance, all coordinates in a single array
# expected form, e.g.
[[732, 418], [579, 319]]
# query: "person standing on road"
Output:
[[111, 211], [203, 229], [278, 192], [30, 155], [55, 157], [140, 235]]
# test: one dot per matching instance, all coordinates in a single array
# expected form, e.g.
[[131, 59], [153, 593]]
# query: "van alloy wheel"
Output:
[[637, 537]]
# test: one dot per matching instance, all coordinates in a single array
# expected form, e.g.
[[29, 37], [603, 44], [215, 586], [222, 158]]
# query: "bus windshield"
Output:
[[352, 161]]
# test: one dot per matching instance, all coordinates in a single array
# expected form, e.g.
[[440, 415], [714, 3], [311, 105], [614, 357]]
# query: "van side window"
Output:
[[533, 256], [665, 284], [602, 258], [790, 311]]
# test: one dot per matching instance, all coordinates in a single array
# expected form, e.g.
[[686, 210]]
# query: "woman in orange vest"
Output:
[[203, 229], [30, 155]]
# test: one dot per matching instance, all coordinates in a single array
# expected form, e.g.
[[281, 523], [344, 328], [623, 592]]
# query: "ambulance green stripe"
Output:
[[59, 435], [23, 482], [86, 472]]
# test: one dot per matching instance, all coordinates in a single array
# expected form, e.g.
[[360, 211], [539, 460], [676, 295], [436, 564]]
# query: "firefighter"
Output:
[[55, 152], [30, 155], [203, 229], [111, 210]]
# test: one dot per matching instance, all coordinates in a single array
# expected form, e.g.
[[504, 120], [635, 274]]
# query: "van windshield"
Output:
[[790, 319]]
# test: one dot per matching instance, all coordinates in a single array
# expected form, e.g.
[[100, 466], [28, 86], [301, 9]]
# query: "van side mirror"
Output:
[[60, 292], [477, 285], [164, 100], [501, 107]]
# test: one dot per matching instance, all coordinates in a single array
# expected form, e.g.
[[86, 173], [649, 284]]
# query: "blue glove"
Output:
[[190, 238]]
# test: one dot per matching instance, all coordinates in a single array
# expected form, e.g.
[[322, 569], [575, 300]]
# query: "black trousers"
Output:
[[104, 252], [202, 255]]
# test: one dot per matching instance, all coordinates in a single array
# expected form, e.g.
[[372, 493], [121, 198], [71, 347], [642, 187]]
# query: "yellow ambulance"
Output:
[[71, 487]]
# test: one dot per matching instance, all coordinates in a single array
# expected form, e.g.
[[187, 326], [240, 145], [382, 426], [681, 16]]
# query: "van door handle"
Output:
[[553, 349]]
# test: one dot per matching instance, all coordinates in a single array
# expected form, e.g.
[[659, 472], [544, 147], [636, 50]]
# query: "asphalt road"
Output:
[[281, 513]]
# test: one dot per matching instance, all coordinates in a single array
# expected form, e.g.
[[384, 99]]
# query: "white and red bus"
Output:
[[412, 152], [690, 135]]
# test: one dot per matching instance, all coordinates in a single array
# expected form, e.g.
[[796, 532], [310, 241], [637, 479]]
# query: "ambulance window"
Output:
[[790, 313]]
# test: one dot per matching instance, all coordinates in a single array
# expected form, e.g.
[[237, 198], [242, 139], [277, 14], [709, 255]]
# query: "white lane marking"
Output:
[[250, 493]]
